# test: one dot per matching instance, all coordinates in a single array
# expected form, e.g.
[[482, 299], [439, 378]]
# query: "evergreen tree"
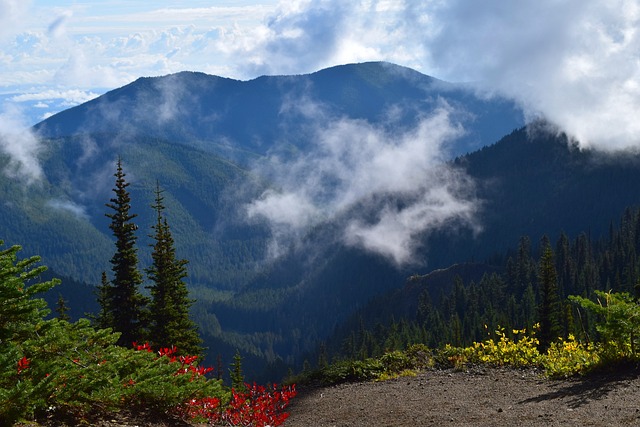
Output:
[[122, 299], [20, 311], [549, 308], [169, 309], [237, 376], [103, 319], [21, 320], [62, 309]]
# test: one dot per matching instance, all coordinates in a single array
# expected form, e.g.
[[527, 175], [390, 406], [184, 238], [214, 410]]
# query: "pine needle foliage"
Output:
[[19, 309], [121, 298], [54, 369], [550, 306], [169, 308]]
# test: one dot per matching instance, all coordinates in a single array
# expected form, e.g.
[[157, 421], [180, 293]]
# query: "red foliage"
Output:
[[259, 406], [23, 364]]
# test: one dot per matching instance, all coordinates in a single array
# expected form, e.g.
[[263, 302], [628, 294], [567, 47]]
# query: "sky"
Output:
[[575, 63]]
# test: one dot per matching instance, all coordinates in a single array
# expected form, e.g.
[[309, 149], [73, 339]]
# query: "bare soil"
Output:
[[482, 397], [478, 397]]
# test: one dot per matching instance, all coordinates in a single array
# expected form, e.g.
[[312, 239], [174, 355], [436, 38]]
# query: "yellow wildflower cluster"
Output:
[[563, 358], [520, 351], [569, 357]]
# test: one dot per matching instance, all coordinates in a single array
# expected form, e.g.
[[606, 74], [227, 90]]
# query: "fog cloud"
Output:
[[12, 13], [574, 63], [385, 189], [69, 206], [20, 145]]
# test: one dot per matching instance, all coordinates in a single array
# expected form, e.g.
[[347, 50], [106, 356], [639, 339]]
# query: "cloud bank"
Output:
[[385, 190], [573, 62], [12, 13]]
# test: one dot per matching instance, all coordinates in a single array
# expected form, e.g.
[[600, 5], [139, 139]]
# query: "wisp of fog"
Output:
[[384, 189], [21, 146]]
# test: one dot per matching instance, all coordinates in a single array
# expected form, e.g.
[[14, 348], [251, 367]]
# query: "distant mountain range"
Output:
[[199, 137]]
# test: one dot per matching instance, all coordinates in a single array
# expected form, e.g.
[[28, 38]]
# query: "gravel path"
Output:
[[485, 397]]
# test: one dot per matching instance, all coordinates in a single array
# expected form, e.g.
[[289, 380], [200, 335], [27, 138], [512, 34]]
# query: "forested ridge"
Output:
[[508, 291]]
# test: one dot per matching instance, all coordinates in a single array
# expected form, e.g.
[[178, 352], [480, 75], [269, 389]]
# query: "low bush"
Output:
[[57, 369]]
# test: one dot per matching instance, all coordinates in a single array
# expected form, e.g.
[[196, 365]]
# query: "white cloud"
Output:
[[386, 189], [574, 62], [20, 145], [12, 13], [304, 36], [68, 206], [70, 96], [396, 232]]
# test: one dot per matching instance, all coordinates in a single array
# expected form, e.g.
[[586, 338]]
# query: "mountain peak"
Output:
[[219, 113]]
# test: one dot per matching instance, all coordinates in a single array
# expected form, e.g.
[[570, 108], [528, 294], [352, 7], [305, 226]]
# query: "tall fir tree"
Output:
[[125, 305], [169, 309], [550, 307]]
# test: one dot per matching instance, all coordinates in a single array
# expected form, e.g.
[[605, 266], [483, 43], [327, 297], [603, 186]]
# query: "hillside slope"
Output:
[[484, 397], [527, 186]]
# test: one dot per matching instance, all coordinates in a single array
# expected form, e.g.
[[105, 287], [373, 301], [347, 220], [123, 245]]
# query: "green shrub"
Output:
[[618, 323], [421, 356], [455, 357], [352, 370], [76, 370], [396, 361], [72, 369]]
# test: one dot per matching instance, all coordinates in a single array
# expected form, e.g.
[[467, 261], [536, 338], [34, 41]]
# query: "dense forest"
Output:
[[526, 286]]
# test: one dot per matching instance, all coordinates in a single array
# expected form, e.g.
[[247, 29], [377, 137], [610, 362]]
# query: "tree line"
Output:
[[530, 287]]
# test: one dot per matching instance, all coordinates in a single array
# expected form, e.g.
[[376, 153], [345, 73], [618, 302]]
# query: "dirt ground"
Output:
[[484, 397], [479, 397]]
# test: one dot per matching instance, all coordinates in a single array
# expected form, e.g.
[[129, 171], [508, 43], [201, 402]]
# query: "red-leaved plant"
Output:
[[259, 406]]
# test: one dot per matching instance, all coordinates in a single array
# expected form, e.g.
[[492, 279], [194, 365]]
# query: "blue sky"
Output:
[[575, 62]]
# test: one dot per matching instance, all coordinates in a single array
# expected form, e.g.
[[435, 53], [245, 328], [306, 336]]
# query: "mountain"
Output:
[[200, 136], [240, 118]]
